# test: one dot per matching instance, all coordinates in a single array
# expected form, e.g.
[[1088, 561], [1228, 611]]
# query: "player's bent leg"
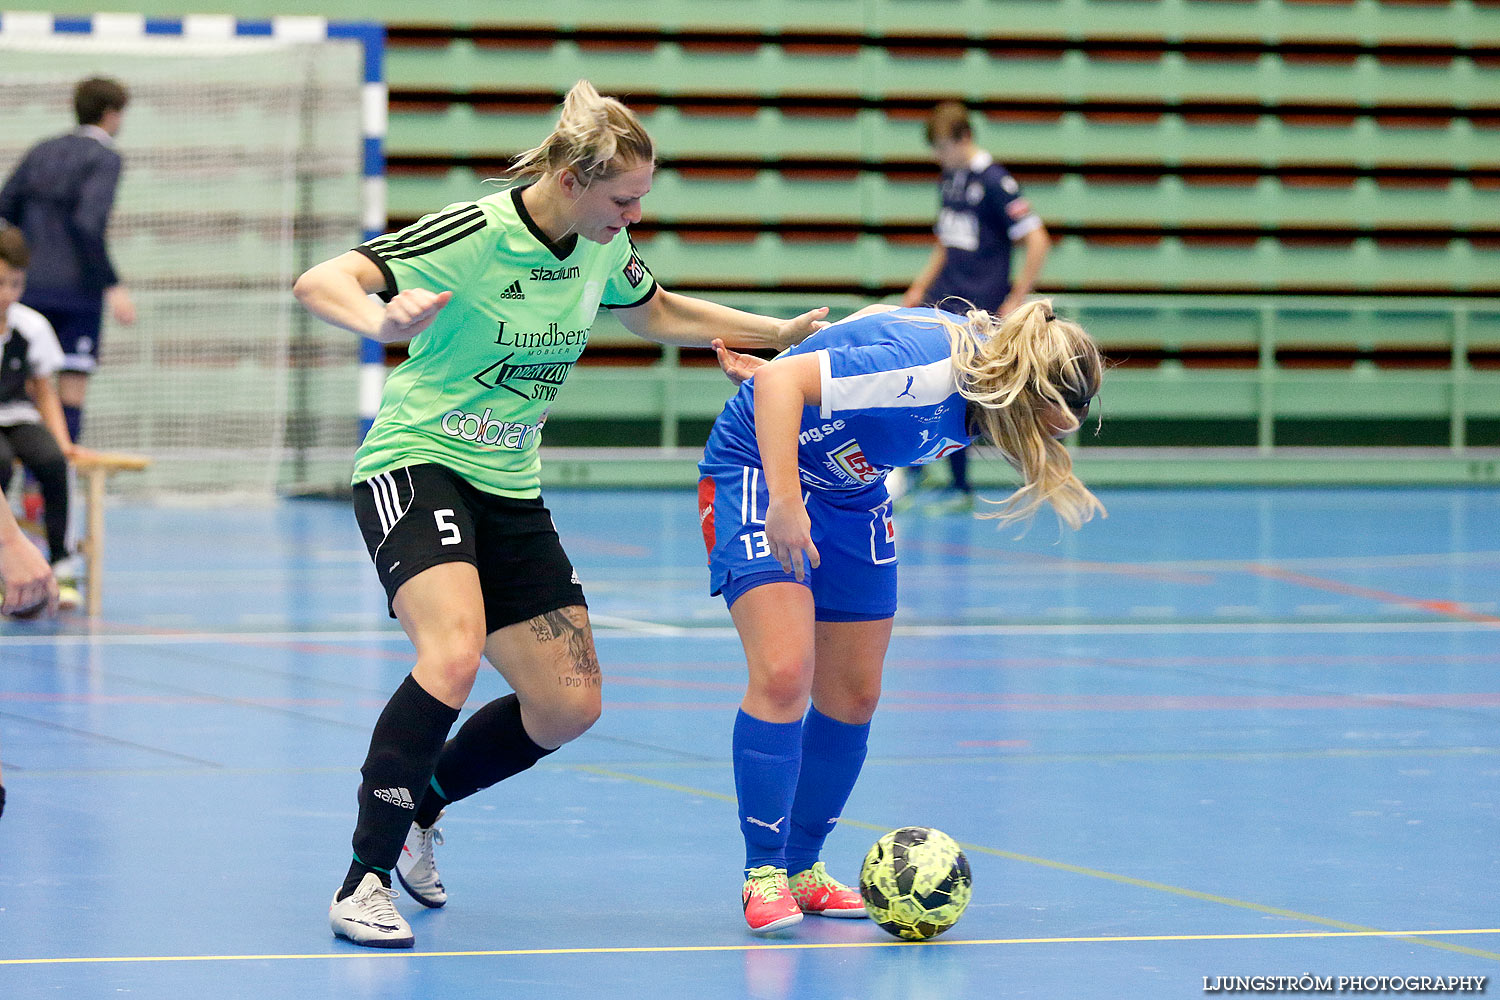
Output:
[[849, 664], [775, 623], [550, 662], [835, 734], [441, 609]]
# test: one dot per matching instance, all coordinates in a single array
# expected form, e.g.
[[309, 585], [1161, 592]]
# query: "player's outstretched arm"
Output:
[[669, 318], [338, 291]]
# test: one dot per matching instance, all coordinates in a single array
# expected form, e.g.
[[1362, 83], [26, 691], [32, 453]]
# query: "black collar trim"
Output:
[[563, 250]]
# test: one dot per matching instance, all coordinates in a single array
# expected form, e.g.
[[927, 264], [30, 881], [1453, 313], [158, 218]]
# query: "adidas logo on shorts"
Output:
[[399, 797], [514, 291]]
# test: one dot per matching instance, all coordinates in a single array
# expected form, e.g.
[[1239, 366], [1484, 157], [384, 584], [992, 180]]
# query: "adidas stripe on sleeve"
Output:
[[435, 250]]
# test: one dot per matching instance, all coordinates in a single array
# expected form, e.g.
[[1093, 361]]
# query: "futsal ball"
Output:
[[915, 882]]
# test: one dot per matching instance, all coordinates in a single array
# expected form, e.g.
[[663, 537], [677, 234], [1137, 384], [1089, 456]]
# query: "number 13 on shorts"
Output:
[[756, 546]]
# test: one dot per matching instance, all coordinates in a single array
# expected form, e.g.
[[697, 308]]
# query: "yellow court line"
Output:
[[787, 946], [1129, 880]]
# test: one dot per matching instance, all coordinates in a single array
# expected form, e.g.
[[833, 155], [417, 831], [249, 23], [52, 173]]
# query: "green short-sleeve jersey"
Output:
[[475, 389]]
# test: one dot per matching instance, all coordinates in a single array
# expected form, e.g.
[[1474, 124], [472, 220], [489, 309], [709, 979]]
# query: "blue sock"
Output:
[[767, 757], [832, 754]]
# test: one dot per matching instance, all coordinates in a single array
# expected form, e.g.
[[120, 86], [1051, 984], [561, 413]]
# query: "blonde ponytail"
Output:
[[1022, 376], [596, 137]]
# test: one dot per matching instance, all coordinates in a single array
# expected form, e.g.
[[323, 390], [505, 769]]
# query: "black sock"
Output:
[[2, 800], [490, 747], [73, 417], [407, 739]]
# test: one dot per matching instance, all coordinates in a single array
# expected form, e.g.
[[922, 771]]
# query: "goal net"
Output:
[[243, 161]]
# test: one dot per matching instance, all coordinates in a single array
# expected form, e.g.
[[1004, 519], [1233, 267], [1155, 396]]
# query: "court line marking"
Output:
[[1448, 609], [113, 740], [658, 630], [989, 760], [780, 946], [1139, 883]]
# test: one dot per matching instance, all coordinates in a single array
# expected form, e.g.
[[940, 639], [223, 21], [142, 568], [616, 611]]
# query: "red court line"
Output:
[[164, 699], [1448, 609], [909, 701]]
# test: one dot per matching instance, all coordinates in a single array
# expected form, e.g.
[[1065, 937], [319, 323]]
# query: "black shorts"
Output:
[[78, 333], [419, 516]]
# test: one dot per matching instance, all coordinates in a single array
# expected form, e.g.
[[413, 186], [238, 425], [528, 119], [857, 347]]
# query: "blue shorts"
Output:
[[78, 331], [856, 577]]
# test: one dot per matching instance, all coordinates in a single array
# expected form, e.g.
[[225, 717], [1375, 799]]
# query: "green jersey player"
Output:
[[497, 297]]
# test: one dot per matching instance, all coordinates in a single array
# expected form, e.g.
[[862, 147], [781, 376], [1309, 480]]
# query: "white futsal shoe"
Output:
[[367, 916], [417, 869]]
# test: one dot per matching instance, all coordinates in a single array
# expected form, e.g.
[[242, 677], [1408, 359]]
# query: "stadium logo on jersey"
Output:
[[635, 269], [545, 377], [554, 273], [484, 429], [514, 291], [850, 460]]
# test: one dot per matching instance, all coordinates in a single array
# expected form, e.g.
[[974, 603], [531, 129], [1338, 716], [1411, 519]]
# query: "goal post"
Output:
[[253, 149]]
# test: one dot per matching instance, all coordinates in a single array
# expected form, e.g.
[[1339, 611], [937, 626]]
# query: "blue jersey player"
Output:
[[797, 522], [981, 216]]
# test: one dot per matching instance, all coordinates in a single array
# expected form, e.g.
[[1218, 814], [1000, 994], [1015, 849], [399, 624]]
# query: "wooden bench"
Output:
[[94, 470]]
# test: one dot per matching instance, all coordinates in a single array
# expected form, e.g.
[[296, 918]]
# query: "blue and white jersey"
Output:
[[982, 213], [890, 399]]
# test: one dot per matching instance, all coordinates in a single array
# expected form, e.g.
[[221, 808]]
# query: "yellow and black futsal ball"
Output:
[[915, 882]]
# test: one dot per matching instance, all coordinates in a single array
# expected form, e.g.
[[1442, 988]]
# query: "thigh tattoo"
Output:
[[561, 625]]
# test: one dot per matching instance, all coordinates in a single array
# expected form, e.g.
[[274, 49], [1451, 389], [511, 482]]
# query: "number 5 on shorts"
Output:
[[449, 530]]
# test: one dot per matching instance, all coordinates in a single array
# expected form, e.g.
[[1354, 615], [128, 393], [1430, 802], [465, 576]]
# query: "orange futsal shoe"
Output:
[[818, 892], [769, 905]]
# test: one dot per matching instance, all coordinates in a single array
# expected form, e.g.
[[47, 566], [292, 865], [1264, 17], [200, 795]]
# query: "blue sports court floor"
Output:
[[1224, 733]]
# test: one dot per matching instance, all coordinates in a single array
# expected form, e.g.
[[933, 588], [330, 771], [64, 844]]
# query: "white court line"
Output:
[[658, 630], [610, 622]]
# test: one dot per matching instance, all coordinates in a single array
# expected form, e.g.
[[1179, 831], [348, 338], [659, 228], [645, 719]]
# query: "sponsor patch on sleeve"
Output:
[[635, 269]]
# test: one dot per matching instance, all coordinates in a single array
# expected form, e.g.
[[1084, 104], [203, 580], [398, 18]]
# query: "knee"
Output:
[[564, 718], [854, 704], [783, 682], [447, 668]]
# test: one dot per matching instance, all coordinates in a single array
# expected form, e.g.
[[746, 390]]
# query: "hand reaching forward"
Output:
[[409, 313], [799, 328], [737, 366]]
